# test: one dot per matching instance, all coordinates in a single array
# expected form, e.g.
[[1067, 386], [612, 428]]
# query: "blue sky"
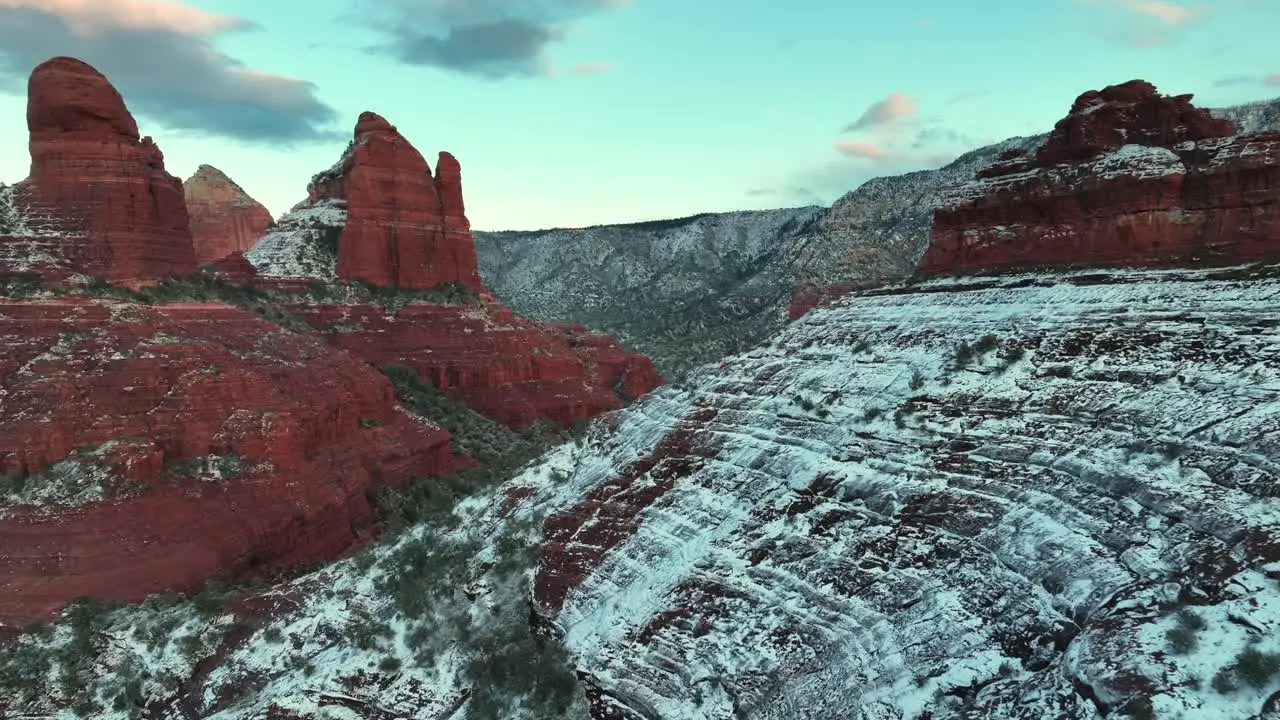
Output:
[[578, 112]]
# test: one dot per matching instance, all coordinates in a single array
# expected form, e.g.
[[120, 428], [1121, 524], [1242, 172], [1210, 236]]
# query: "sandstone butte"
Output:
[[408, 229], [405, 228], [224, 219], [161, 446], [1128, 177], [96, 184]]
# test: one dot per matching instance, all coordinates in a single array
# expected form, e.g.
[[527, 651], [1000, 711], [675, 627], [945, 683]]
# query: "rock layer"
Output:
[[513, 370], [96, 184], [224, 218], [164, 445], [1128, 178]]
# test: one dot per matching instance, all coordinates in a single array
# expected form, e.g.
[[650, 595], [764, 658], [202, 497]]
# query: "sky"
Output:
[[568, 113]]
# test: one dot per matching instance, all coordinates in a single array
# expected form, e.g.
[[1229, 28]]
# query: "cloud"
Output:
[[895, 107], [1147, 23], [965, 96], [803, 194], [859, 149], [1166, 12], [590, 68], [160, 55], [485, 38], [1235, 80], [932, 135]]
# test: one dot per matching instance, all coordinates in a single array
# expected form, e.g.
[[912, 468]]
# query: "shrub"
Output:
[[1139, 708], [1257, 668], [917, 380], [1182, 640]]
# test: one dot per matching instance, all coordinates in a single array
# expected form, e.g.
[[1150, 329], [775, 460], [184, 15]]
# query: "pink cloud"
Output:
[[1166, 12], [859, 149], [894, 107], [90, 16], [1273, 79]]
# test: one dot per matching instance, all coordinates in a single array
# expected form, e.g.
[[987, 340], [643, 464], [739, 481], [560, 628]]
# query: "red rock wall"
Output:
[[316, 428], [507, 368], [224, 219], [400, 230], [94, 179], [1201, 199]]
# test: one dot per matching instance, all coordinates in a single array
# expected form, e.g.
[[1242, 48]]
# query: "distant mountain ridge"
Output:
[[606, 278]]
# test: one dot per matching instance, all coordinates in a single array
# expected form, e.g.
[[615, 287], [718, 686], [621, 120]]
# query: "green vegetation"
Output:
[[1251, 667], [1184, 637], [87, 659], [8, 213]]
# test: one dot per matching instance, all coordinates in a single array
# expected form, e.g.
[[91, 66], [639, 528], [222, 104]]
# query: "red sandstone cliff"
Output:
[[131, 396], [404, 227], [1129, 177], [224, 219], [98, 184], [513, 370]]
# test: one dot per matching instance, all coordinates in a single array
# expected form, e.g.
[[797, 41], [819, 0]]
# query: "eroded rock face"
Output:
[[993, 514], [224, 218], [503, 366], [165, 445], [1128, 178], [98, 186], [402, 229]]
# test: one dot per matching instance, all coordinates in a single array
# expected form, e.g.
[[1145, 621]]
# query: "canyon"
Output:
[[165, 427], [1018, 484]]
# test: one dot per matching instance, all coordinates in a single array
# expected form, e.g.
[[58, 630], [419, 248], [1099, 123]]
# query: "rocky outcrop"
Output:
[[403, 227], [146, 448], [1129, 177], [510, 369], [97, 186], [224, 219]]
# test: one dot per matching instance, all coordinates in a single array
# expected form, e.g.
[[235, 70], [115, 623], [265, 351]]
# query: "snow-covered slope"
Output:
[[1028, 496], [1038, 496]]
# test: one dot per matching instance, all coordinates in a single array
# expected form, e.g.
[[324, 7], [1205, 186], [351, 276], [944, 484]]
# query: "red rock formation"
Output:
[[1131, 113], [234, 268], [513, 370], [401, 228], [147, 389], [1128, 178], [224, 219], [100, 185]]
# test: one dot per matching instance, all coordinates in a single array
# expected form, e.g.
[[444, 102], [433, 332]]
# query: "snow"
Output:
[[295, 246], [1048, 527]]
